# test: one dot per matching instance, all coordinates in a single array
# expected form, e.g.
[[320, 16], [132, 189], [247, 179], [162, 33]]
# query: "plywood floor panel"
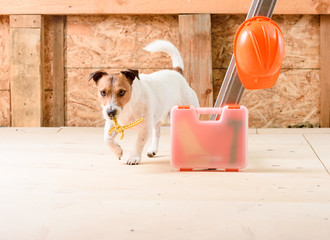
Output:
[[63, 183]]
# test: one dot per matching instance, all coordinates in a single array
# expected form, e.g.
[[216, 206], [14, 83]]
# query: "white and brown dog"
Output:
[[128, 96]]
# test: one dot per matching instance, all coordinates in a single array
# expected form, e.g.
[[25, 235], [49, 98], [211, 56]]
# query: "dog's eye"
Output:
[[103, 93], [121, 93]]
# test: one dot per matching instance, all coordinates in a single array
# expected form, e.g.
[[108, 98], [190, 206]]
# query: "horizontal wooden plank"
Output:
[[25, 21], [155, 7]]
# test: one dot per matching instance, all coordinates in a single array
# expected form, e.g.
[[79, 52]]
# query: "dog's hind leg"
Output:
[[153, 148]]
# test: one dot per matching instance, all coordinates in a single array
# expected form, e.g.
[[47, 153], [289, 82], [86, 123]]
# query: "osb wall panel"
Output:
[[83, 108], [302, 40], [111, 43], [4, 72], [295, 99], [118, 41]]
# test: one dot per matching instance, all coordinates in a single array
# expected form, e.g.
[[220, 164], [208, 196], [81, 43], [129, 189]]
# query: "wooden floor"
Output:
[[63, 183]]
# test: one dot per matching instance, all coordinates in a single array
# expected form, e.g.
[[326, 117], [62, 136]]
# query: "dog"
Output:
[[128, 95]]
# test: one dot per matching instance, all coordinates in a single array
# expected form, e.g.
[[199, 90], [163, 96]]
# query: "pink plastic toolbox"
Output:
[[218, 144]]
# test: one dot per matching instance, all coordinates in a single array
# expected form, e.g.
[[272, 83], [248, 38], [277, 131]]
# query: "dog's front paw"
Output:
[[119, 152], [133, 161], [115, 148]]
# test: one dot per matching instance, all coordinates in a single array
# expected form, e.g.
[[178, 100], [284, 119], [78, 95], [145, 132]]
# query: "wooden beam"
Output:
[[26, 70], [25, 21], [325, 70], [195, 48], [64, 7], [58, 72]]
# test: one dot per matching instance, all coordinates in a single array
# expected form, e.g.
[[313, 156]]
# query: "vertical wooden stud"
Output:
[[58, 72], [325, 70], [26, 65], [195, 48]]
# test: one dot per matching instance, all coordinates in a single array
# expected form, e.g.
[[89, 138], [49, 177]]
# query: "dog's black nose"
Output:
[[112, 112]]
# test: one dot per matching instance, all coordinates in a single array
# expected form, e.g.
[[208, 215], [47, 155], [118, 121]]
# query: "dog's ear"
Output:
[[97, 75], [131, 74]]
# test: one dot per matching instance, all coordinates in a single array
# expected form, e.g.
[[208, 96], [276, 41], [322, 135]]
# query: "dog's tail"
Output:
[[170, 49]]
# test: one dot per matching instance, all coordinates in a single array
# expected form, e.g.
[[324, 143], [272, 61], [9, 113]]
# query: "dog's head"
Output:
[[114, 90]]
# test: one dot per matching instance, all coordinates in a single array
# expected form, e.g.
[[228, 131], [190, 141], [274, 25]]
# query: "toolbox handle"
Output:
[[209, 110]]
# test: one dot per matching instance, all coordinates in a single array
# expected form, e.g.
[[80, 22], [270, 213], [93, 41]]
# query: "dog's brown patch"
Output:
[[178, 69]]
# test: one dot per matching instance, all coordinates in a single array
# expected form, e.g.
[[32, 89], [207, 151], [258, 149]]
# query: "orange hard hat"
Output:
[[259, 52]]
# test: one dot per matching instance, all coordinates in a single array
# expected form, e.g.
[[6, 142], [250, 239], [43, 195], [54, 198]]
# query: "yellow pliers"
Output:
[[121, 129]]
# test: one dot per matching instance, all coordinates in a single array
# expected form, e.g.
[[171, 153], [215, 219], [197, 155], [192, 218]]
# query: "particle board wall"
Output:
[[115, 42]]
